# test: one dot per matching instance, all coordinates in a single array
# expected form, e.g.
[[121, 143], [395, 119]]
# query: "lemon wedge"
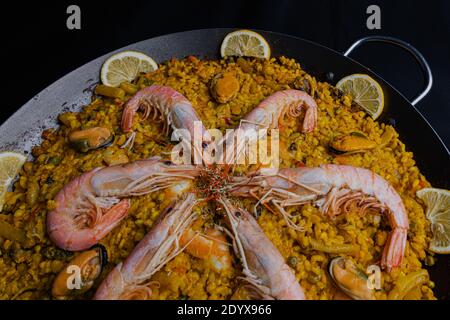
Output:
[[10, 164], [438, 213], [125, 66], [245, 43], [365, 91]]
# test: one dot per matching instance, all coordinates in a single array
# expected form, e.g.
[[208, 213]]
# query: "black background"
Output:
[[38, 48], [166, 310]]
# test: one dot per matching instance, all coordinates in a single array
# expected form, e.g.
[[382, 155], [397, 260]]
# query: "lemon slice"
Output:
[[10, 164], [245, 43], [438, 212], [125, 66], [365, 91]]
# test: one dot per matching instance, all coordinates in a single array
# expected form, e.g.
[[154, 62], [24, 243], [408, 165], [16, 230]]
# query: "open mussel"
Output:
[[79, 275], [90, 139], [224, 87], [350, 279], [354, 142]]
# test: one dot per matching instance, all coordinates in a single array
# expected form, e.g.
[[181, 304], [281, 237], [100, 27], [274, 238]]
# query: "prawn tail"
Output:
[[112, 287], [310, 121], [127, 118], [394, 249]]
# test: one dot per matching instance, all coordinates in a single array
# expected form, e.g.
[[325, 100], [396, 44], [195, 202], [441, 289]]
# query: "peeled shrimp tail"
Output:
[[210, 246]]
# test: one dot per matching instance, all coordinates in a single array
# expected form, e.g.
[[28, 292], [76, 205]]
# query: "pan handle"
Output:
[[410, 49]]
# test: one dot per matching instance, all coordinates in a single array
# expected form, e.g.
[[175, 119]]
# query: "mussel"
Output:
[[224, 87], [354, 142], [80, 273], [350, 279], [90, 139]]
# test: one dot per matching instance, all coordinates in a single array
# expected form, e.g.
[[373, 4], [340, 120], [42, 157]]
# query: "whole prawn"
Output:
[[264, 267], [91, 205], [271, 110], [169, 107], [333, 188], [131, 279], [269, 113]]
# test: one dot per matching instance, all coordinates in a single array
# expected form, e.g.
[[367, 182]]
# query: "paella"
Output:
[[106, 209]]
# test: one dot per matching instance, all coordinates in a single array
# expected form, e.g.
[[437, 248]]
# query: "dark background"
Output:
[[38, 48]]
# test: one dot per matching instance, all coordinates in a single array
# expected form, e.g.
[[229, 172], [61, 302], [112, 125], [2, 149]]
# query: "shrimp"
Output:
[[269, 113], [272, 109], [333, 188], [93, 204], [263, 265], [168, 106], [212, 247], [130, 280]]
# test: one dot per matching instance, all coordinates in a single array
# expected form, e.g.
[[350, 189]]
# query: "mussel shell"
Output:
[[336, 147], [103, 254], [91, 264], [335, 151], [358, 134], [344, 153], [86, 143], [362, 292]]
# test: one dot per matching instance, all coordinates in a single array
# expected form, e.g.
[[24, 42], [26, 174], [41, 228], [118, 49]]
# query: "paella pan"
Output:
[[101, 198]]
